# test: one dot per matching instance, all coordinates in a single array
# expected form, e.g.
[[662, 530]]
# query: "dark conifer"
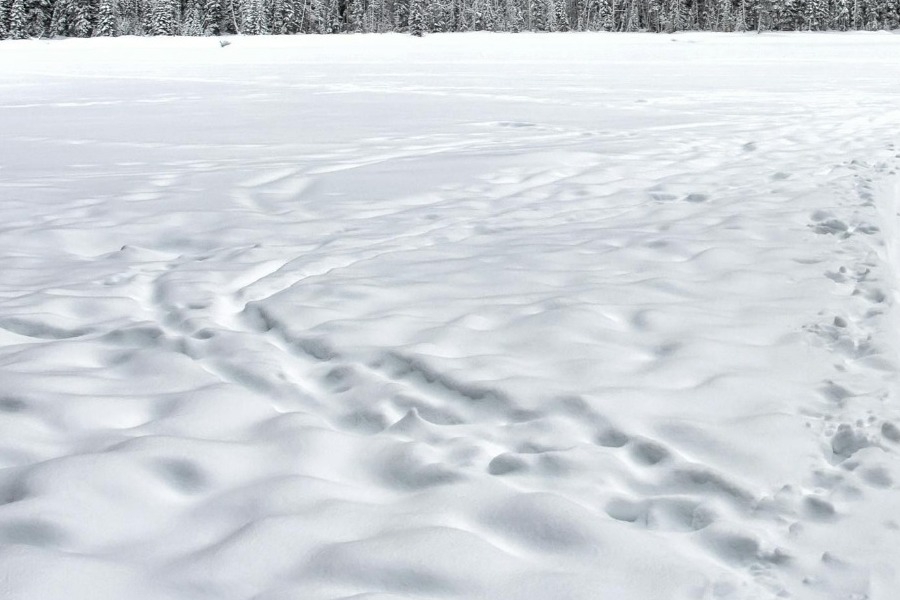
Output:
[[417, 18], [4, 18], [107, 19], [18, 24]]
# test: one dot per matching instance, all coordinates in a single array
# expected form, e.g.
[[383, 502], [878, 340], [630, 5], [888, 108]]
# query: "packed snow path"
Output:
[[599, 317]]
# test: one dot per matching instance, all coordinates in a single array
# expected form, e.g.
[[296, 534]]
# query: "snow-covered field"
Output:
[[599, 317]]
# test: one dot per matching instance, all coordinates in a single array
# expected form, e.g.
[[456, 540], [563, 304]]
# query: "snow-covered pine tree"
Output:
[[192, 19], [857, 14], [438, 16], [400, 9], [605, 15], [326, 19], [490, 21], [539, 15], [334, 12], [58, 25], [452, 19], [37, 17], [516, 19], [162, 18], [84, 19], [282, 16], [725, 16], [298, 14], [127, 17], [840, 16], [632, 16], [883, 14], [356, 15], [764, 15], [668, 20], [873, 22], [576, 9], [231, 16], [107, 22], [478, 15], [893, 19], [417, 18], [891, 16], [560, 16], [213, 15], [652, 13], [251, 19], [817, 14], [586, 16], [18, 25], [740, 20], [789, 15], [316, 15], [274, 20], [374, 18], [4, 19]]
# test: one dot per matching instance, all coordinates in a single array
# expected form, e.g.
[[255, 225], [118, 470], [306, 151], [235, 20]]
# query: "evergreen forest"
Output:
[[21, 19]]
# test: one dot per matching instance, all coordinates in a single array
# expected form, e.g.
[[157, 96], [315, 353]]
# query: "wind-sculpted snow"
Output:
[[500, 317]]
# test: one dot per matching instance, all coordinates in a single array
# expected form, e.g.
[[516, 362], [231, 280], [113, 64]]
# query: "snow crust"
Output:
[[473, 316]]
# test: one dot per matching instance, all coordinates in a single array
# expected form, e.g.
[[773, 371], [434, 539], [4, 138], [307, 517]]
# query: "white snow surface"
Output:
[[581, 316]]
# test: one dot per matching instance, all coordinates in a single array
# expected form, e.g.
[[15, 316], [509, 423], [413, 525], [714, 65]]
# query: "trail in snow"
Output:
[[575, 316]]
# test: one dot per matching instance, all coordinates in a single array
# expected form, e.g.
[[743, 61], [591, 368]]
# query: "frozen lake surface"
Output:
[[474, 316]]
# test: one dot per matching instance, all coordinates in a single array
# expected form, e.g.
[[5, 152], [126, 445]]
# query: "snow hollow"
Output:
[[473, 316]]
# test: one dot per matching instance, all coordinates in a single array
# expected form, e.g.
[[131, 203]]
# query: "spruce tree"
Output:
[[539, 15], [252, 18], [605, 15], [4, 19], [231, 16], [764, 18], [560, 16], [280, 18], [83, 21], [212, 17], [856, 14], [588, 21], [37, 17], [337, 25], [478, 16], [371, 21], [106, 18], [58, 25], [726, 18], [293, 13], [438, 16], [516, 20], [632, 17], [487, 16], [740, 22], [417, 18], [162, 18], [128, 17], [458, 16], [192, 21], [401, 14], [18, 25], [817, 10]]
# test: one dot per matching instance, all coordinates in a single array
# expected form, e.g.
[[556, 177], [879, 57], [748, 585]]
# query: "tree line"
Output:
[[20, 19]]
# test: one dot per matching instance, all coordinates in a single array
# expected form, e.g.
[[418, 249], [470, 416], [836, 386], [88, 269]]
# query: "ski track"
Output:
[[305, 326]]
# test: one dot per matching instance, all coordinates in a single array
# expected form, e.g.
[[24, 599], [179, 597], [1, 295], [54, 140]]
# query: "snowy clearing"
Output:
[[599, 317]]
